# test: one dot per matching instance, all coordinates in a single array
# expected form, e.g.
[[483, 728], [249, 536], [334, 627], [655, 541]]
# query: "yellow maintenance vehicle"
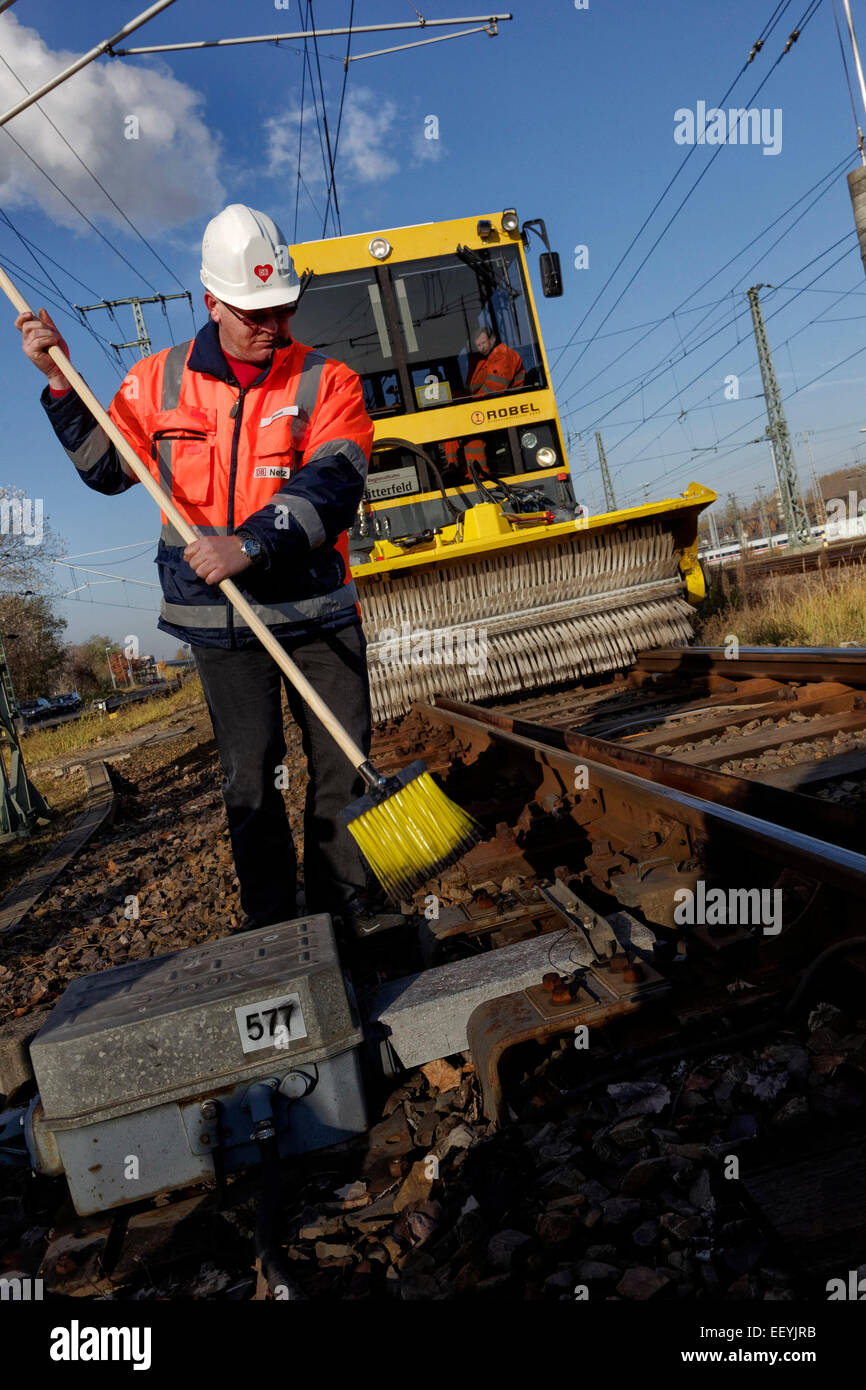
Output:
[[479, 571]]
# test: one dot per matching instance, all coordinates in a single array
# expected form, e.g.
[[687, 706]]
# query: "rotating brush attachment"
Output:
[[407, 828]]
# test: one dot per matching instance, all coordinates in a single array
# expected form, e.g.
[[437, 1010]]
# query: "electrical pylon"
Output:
[[790, 493], [609, 497], [142, 342]]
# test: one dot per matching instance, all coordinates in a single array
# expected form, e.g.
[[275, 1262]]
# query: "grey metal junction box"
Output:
[[147, 1073]]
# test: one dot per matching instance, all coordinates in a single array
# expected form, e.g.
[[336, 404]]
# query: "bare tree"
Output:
[[88, 665], [28, 545], [28, 586], [34, 646]]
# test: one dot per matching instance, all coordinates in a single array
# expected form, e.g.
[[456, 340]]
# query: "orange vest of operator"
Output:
[[501, 370]]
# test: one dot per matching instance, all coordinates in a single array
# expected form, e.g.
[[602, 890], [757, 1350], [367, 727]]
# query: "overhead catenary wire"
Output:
[[89, 57], [860, 145], [724, 354], [300, 147], [827, 179], [757, 418], [47, 273], [315, 98], [331, 185], [764, 33], [647, 375], [714, 334], [96, 180], [808, 14], [85, 569], [108, 550], [72, 203], [104, 603]]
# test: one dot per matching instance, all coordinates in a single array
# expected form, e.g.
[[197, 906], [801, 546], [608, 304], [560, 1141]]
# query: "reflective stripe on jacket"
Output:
[[284, 459]]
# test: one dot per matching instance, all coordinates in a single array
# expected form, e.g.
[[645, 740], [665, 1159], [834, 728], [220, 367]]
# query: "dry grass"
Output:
[[811, 610], [45, 744]]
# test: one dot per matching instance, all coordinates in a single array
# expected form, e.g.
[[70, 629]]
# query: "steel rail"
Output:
[[786, 809], [782, 663], [721, 825]]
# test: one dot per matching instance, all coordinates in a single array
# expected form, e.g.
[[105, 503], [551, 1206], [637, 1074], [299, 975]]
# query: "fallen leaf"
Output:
[[441, 1075]]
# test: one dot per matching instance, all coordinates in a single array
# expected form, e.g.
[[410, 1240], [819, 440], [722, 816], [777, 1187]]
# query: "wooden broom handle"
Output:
[[355, 754]]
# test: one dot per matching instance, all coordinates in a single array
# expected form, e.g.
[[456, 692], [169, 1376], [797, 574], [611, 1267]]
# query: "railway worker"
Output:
[[498, 368], [264, 445]]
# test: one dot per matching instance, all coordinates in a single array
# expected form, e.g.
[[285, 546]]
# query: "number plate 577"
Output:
[[271, 1022]]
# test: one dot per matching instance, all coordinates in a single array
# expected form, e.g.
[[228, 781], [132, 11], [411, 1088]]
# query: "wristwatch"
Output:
[[251, 548]]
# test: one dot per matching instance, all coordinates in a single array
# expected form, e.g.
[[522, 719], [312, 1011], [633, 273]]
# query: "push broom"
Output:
[[405, 826]]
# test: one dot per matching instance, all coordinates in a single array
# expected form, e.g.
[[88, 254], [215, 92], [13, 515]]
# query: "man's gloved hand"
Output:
[[217, 557]]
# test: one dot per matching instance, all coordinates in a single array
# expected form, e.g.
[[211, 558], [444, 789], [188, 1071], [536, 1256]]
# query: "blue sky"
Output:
[[568, 115]]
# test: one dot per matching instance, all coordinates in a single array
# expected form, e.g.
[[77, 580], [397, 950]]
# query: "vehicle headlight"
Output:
[[529, 440], [546, 457], [380, 248]]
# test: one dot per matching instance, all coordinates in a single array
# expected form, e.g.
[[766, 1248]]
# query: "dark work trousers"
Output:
[[243, 691]]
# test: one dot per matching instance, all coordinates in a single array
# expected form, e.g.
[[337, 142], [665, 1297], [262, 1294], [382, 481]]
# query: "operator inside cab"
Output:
[[493, 368]]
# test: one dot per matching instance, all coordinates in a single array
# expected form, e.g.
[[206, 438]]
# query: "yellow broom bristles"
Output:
[[412, 834]]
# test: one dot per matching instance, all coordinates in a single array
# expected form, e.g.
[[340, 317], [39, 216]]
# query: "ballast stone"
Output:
[[426, 1015]]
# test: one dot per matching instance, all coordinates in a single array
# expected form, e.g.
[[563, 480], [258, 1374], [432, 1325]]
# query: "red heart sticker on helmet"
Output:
[[264, 272]]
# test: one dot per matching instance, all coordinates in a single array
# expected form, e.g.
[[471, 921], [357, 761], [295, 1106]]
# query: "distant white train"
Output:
[[723, 554]]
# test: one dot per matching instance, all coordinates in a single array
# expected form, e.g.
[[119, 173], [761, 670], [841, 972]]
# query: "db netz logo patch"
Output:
[[272, 470], [504, 412]]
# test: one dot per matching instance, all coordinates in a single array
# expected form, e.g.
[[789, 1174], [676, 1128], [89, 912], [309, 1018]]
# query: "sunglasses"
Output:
[[254, 318]]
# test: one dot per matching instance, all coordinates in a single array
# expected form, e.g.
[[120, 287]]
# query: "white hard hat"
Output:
[[245, 260]]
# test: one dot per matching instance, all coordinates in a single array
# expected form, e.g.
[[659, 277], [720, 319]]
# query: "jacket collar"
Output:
[[207, 356]]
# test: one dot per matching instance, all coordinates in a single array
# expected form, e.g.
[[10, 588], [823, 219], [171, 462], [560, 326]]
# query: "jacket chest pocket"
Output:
[[183, 447], [276, 454]]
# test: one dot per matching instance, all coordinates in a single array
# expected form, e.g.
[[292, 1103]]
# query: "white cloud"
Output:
[[162, 179], [368, 136], [424, 150], [368, 142]]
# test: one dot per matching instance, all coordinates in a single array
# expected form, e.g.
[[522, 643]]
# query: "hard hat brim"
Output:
[[268, 297]]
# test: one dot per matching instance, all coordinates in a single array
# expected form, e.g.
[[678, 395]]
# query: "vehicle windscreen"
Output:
[[425, 317]]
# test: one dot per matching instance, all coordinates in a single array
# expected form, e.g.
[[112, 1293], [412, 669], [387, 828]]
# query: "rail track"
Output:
[[604, 811]]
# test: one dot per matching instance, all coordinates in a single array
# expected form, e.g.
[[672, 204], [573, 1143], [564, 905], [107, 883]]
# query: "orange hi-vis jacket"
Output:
[[501, 370], [283, 460]]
